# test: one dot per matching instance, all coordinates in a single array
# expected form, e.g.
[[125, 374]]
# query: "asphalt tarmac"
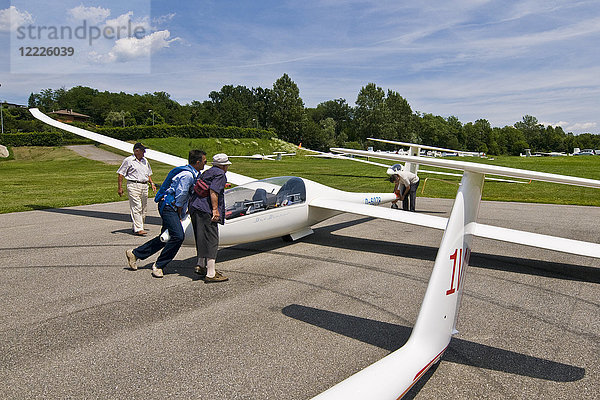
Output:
[[295, 318], [96, 153]]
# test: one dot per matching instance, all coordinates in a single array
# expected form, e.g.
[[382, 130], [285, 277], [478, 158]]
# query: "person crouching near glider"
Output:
[[406, 184], [207, 212]]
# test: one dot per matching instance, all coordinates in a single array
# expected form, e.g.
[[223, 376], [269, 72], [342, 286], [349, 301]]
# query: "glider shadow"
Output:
[[325, 236], [96, 214], [391, 337], [377, 177], [185, 267]]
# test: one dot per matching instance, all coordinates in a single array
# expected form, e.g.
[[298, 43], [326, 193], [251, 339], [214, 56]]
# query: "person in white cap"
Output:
[[406, 184], [207, 212]]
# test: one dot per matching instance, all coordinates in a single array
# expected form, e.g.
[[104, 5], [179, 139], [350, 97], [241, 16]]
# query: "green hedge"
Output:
[[186, 131], [134, 133], [42, 139], [32, 139]]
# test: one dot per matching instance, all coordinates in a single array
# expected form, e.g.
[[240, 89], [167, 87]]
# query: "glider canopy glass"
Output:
[[263, 195]]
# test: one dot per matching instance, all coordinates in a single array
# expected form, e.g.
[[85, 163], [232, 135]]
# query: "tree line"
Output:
[[377, 113]]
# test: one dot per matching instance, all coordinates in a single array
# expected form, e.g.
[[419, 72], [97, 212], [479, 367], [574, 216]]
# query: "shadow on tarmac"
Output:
[[179, 267], [96, 214], [377, 177], [325, 236], [391, 337]]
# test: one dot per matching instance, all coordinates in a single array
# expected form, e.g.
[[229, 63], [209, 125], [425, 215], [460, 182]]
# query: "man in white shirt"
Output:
[[406, 184], [136, 170]]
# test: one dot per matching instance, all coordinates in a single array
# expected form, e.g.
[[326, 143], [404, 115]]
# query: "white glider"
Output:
[[414, 148], [276, 156], [394, 375], [290, 206], [414, 167]]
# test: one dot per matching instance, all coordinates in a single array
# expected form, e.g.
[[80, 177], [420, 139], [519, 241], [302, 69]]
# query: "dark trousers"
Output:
[[206, 233], [170, 221], [412, 196]]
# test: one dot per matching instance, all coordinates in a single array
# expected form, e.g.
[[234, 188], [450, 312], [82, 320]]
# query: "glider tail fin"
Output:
[[394, 375], [414, 150], [437, 319]]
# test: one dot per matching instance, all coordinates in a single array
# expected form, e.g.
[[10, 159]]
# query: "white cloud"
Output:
[[576, 127], [126, 20], [91, 14], [131, 48], [562, 124], [11, 18], [163, 19]]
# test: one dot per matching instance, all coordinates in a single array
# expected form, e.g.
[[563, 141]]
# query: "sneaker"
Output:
[[131, 259], [200, 270], [217, 278], [157, 272]]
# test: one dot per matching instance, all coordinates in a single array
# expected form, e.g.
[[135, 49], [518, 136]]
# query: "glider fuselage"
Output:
[[278, 207]]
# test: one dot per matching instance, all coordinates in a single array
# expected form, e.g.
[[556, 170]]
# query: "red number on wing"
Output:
[[460, 266], [458, 271], [452, 289]]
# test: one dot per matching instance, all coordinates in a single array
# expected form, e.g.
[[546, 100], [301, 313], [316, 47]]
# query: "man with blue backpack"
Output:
[[172, 199]]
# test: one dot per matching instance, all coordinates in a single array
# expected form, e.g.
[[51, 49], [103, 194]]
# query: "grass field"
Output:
[[41, 177]]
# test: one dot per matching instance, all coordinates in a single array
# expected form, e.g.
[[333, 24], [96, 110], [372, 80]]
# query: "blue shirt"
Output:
[[181, 184], [216, 180]]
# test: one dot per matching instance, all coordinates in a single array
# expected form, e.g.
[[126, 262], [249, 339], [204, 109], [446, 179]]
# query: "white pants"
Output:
[[138, 200]]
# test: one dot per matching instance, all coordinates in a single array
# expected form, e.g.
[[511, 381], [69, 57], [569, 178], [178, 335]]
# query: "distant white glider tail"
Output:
[[393, 376]]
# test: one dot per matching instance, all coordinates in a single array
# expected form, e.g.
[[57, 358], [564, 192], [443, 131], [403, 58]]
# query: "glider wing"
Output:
[[368, 210], [168, 159], [475, 229], [480, 168]]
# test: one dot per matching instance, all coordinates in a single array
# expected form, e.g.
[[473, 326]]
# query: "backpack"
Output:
[[164, 193], [201, 188]]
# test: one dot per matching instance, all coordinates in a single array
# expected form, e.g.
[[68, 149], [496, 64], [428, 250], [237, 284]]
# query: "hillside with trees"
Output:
[[280, 109]]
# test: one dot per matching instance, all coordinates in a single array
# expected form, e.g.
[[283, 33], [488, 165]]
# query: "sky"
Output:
[[473, 59]]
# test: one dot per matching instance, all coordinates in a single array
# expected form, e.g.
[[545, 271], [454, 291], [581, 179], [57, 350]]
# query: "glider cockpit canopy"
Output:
[[264, 194]]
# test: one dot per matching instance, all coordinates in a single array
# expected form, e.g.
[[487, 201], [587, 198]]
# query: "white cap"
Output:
[[394, 169], [221, 159]]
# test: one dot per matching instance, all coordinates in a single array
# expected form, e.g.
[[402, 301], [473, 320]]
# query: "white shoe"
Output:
[[156, 272], [131, 259]]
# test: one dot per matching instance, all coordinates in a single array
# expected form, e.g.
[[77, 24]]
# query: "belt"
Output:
[[143, 183]]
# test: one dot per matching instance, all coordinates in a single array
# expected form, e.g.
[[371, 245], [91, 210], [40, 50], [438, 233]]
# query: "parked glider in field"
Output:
[[414, 149], [390, 169], [276, 156], [552, 154], [260, 209]]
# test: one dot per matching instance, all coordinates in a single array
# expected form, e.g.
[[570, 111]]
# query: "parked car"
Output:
[[585, 152]]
